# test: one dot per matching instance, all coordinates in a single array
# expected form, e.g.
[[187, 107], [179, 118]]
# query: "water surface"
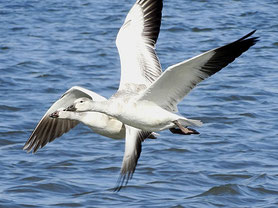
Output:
[[48, 46]]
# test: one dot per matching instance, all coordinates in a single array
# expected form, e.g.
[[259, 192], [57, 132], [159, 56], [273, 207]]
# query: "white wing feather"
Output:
[[48, 128], [134, 138], [136, 44], [178, 80]]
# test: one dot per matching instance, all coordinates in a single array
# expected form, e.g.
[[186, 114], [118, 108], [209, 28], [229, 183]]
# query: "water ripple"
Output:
[[48, 46]]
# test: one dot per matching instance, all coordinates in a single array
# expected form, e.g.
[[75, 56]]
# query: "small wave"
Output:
[[239, 98], [4, 142], [196, 29], [230, 176], [4, 48], [248, 14], [9, 133], [175, 29], [18, 28], [227, 189], [176, 150], [9, 108], [68, 205], [21, 189], [159, 182], [250, 115], [58, 187], [32, 179], [263, 190], [26, 63]]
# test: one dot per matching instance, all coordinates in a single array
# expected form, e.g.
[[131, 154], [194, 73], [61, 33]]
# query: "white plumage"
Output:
[[145, 100]]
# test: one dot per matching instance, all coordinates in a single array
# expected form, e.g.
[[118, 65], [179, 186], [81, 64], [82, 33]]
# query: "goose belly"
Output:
[[104, 125], [146, 116], [110, 132]]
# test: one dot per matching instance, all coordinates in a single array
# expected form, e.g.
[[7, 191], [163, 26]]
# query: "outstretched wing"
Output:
[[136, 44], [178, 80], [48, 128], [133, 140]]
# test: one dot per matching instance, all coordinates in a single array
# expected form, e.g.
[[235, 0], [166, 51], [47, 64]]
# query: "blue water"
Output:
[[48, 46]]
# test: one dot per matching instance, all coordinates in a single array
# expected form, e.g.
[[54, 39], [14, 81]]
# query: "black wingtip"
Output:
[[239, 46], [119, 183], [122, 181], [255, 39], [249, 34]]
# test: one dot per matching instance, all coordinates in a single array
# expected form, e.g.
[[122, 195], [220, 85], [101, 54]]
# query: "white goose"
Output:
[[135, 41], [56, 121], [152, 107], [49, 129]]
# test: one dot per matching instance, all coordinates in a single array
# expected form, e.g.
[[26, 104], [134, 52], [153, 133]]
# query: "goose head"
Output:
[[81, 104], [61, 113]]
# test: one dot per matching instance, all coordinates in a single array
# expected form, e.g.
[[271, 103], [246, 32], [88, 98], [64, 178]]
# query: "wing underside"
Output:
[[48, 129], [136, 43], [133, 147], [178, 80]]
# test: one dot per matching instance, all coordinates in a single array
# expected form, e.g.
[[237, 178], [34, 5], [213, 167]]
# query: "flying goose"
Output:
[[50, 127], [57, 121], [136, 45], [149, 103]]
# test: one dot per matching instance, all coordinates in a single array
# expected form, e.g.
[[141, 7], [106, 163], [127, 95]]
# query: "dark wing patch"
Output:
[[46, 131], [228, 53], [48, 128], [129, 165], [152, 10]]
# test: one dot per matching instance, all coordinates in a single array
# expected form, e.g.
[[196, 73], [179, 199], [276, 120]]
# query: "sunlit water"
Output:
[[48, 46]]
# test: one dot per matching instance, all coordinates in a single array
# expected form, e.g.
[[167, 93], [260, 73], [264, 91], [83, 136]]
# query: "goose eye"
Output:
[[81, 101]]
